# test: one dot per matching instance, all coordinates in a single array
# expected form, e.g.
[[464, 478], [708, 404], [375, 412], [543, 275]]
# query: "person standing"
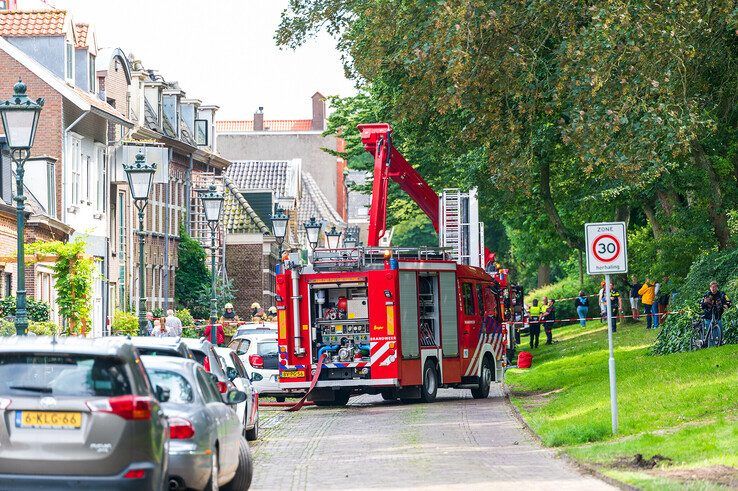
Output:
[[550, 319], [150, 323], [534, 324], [160, 328], [650, 306], [713, 304], [635, 298], [582, 305], [616, 305], [602, 302], [173, 323], [219, 333]]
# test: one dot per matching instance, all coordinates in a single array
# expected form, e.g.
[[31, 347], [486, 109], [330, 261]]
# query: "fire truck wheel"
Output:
[[485, 380], [389, 395], [430, 382]]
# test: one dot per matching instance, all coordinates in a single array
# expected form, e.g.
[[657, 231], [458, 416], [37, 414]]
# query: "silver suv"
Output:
[[79, 412]]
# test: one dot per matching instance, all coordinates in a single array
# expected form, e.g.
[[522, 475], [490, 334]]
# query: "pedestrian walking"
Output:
[[582, 305], [635, 298], [550, 319], [149, 323], [534, 325], [650, 306], [173, 323]]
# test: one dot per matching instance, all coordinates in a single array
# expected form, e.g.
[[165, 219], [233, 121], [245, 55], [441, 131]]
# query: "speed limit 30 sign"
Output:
[[607, 250]]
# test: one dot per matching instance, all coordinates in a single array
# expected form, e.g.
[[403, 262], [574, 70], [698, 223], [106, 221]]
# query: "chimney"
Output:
[[318, 123], [259, 119]]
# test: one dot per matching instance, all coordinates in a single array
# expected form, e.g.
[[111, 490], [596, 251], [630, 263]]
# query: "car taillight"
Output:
[[135, 474], [180, 429], [206, 364], [127, 407], [4, 403], [256, 361], [222, 387]]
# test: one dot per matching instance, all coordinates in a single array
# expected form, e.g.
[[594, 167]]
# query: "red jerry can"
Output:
[[525, 359]]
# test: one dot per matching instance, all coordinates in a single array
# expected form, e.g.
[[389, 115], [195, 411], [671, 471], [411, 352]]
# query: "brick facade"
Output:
[[252, 273]]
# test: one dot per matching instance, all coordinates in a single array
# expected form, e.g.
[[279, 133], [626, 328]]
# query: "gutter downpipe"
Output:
[[64, 173], [188, 197], [167, 194]]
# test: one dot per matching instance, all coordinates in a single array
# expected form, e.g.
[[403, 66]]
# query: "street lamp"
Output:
[[20, 120], [312, 229], [140, 174], [350, 240], [333, 238], [212, 202], [279, 227]]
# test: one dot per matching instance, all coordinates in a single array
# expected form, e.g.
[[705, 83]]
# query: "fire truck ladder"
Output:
[[451, 227]]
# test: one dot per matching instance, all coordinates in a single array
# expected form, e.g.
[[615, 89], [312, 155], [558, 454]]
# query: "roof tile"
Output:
[[81, 31], [15, 23]]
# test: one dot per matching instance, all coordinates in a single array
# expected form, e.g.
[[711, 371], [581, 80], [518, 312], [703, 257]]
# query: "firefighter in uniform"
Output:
[[534, 324]]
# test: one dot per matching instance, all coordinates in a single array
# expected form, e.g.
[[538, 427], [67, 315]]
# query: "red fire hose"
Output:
[[303, 401]]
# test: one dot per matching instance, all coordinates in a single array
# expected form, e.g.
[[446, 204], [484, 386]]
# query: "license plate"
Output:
[[293, 374], [48, 419]]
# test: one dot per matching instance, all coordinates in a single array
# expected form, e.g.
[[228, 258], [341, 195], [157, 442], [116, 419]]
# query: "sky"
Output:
[[220, 51]]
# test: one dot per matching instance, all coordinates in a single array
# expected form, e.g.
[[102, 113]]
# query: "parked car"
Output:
[[82, 411], [248, 411], [206, 356], [256, 327], [206, 448], [259, 353], [149, 345]]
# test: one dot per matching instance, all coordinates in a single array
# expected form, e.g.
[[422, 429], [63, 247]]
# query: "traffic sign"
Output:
[[607, 249]]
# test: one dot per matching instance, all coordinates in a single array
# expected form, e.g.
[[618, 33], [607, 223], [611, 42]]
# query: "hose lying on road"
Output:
[[303, 401]]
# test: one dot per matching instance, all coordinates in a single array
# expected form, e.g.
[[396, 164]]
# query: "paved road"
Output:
[[454, 443]]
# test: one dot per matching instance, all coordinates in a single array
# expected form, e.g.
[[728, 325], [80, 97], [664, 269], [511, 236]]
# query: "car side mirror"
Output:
[[235, 397], [232, 373], [162, 394]]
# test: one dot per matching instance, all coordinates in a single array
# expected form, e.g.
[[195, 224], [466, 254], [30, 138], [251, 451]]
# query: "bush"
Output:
[[43, 328], [7, 328], [186, 318], [677, 329], [36, 310], [568, 288], [124, 323], [192, 332]]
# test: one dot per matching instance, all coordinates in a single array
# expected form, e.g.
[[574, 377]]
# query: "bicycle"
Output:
[[706, 334]]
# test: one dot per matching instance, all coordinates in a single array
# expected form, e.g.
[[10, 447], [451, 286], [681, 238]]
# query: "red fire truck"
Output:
[[390, 321]]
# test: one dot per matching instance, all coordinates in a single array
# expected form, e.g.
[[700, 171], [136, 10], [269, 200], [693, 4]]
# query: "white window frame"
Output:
[[91, 74], [69, 62], [101, 178], [75, 168]]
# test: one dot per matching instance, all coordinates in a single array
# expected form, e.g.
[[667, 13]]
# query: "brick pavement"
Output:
[[454, 443]]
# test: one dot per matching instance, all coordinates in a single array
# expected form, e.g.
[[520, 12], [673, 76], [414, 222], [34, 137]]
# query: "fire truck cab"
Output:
[[396, 322]]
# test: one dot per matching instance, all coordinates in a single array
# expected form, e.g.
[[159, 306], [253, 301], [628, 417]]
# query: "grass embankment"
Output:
[[681, 408]]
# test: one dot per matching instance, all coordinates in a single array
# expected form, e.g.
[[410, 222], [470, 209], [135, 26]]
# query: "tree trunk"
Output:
[[622, 214], [550, 208], [658, 231], [581, 269], [544, 275], [715, 211]]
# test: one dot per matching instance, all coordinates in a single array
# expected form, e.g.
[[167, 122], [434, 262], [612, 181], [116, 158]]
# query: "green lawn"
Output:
[[683, 406]]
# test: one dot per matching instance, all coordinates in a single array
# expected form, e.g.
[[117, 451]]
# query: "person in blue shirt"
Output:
[[582, 305]]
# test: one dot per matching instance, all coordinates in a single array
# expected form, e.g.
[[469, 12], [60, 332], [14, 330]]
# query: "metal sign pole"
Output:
[[611, 361]]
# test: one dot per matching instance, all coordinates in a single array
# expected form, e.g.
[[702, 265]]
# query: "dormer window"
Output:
[[69, 65], [91, 73]]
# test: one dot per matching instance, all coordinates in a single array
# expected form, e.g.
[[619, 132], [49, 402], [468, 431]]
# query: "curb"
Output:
[[583, 468]]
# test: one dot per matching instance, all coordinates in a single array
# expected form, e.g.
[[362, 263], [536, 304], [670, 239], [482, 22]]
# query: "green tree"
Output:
[[193, 276]]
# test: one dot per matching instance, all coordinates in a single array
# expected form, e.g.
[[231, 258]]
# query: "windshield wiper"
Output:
[[30, 388]]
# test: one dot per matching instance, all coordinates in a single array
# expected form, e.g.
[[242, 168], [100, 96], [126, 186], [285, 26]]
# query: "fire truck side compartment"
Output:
[[409, 315], [449, 318]]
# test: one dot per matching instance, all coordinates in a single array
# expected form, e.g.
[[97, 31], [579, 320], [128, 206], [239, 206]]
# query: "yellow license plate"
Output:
[[294, 374], [48, 419]]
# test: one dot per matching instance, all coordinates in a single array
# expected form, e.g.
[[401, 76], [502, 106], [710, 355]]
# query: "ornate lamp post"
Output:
[[279, 227], [312, 229], [212, 202], [333, 237], [350, 240], [20, 120], [140, 175]]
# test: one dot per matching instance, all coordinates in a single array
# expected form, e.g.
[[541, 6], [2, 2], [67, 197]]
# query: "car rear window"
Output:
[[62, 375], [199, 356], [156, 351], [267, 348], [180, 390]]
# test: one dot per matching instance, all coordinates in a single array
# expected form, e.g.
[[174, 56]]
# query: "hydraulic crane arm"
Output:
[[390, 164]]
